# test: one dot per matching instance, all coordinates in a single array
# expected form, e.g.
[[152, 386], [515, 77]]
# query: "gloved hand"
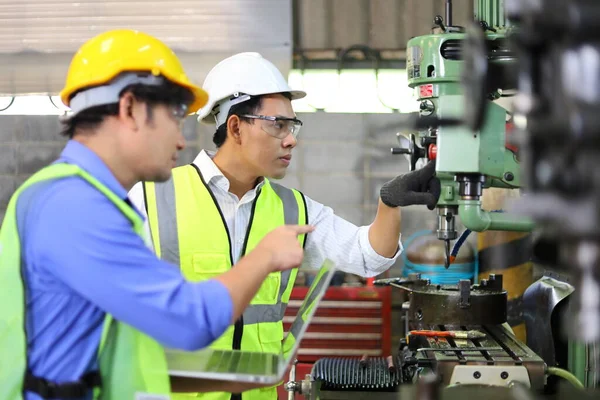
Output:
[[416, 187]]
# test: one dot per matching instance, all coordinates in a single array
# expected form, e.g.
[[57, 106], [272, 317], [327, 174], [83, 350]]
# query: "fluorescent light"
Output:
[[351, 91], [32, 105]]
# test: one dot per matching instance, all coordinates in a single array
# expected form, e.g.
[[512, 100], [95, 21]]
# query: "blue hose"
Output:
[[457, 245]]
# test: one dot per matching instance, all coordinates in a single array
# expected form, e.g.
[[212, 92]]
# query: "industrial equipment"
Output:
[[472, 156], [457, 332], [551, 56]]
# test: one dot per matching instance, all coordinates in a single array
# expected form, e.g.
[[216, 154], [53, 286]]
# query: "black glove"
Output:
[[416, 187]]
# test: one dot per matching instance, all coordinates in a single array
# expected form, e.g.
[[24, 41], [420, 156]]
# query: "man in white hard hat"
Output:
[[215, 210]]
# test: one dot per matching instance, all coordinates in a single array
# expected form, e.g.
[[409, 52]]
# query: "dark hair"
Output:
[[166, 93], [251, 106]]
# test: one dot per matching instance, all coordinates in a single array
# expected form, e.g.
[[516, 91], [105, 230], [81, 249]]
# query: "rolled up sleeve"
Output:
[[346, 244], [374, 262]]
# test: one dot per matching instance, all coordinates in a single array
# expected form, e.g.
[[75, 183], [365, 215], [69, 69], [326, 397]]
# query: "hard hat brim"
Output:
[[200, 98], [200, 95], [297, 94]]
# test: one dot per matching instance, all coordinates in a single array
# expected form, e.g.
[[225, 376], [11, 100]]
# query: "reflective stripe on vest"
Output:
[[130, 362], [163, 202]]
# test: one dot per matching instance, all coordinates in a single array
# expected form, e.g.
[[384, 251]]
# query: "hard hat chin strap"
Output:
[[109, 94], [221, 110]]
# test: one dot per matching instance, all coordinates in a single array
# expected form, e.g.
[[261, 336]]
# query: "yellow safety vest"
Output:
[[131, 363], [188, 229]]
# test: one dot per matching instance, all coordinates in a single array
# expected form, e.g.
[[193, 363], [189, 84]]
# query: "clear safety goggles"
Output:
[[179, 113], [278, 127]]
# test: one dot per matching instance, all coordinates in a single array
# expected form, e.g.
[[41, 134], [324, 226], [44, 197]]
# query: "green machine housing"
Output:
[[467, 161]]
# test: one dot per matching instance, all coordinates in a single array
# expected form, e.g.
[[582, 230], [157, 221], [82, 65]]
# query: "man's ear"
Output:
[[129, 111], [234, 124]]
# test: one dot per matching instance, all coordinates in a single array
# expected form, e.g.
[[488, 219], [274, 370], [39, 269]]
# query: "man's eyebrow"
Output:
[[285, 116]]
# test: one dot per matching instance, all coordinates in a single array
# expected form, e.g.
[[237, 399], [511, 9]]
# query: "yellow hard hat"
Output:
[[109, 54]]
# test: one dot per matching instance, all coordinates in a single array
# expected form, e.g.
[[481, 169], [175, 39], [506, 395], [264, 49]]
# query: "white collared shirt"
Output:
[[346, 244]]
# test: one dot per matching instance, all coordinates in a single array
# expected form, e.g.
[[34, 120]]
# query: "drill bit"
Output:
[[447, 254]]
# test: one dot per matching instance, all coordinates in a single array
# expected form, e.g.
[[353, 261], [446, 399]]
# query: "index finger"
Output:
[[300, 229]]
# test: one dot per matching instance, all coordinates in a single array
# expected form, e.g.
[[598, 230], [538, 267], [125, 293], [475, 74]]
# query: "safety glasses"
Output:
[[278, 127], [179, 113]]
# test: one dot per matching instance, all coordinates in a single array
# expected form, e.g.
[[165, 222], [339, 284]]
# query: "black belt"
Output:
[[67, 390]]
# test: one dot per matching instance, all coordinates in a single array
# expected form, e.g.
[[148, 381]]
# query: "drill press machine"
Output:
[[467, 160]]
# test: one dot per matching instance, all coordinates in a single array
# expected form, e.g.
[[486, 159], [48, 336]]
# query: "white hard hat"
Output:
[[235, 79]]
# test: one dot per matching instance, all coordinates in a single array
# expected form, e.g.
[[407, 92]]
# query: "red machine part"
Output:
[[349, 322], [426, 91], [432, 152], [510, 127], [432, 149]]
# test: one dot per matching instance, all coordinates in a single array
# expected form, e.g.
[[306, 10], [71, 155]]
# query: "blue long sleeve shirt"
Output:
[[82, 259]]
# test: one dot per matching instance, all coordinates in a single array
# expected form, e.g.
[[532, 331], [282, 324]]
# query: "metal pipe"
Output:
[[448, 12], [291, 385], [478, 220]]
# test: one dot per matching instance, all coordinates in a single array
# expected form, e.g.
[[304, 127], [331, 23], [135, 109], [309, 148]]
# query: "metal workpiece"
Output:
[[584, 314], [461, 304], [539, 303], [400, 281], [472, 334]]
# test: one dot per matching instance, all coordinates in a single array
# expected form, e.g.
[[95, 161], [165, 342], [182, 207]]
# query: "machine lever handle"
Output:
[[400, 150]]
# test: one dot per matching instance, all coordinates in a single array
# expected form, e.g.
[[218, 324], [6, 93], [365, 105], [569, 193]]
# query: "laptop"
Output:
[[252, 367]]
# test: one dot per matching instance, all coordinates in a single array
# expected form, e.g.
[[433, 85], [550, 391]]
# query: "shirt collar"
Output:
[[80, 155], [210, 171]]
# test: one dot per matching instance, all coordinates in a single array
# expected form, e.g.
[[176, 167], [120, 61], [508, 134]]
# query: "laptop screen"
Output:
[[240, 365], [306, 310]]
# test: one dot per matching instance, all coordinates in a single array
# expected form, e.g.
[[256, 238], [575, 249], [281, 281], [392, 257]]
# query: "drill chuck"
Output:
[[446, 223]]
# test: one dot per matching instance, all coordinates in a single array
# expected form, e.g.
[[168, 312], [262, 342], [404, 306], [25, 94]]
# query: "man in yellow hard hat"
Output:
[[213, 211], [85, 305]]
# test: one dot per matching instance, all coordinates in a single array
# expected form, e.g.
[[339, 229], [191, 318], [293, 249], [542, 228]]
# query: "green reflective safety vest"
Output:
[[188, 229], [132, 365]]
